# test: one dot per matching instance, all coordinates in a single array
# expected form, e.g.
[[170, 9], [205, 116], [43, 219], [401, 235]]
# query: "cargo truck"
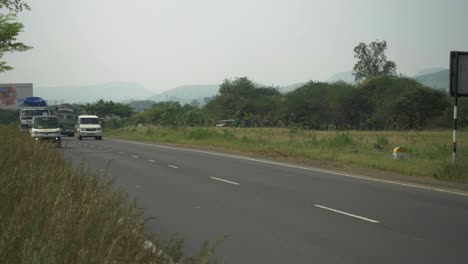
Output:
[[67, 117], [30, 107]]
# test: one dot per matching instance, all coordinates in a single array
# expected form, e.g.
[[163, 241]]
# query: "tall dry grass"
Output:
[[53, 213]]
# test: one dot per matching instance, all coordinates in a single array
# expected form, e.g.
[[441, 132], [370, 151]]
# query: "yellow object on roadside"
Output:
[[399, 153]]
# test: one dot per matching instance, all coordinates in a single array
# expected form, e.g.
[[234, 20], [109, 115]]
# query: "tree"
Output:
[[309, 106], [242, 100], [9, 30], [372, 61], [109, 109], [195, 103], [14, 5]]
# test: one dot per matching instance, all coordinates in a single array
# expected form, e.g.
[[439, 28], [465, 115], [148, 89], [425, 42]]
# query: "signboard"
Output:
[[11, 95], [459, 73]]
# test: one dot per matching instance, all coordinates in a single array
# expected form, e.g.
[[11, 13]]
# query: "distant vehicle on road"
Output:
[[226, 123], [67, 117], [88, 126], [30, 107], [46, 128]]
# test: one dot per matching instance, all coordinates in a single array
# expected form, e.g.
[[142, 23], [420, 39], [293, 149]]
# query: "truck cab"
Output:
[[46, 128], [88, 126]]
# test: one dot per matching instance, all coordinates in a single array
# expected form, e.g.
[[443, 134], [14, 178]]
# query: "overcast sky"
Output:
[[166, 43]]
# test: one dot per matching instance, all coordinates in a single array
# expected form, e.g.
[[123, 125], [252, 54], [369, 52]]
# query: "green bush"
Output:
[[205, 134], [340, 140], [453, 170], [382, 141]]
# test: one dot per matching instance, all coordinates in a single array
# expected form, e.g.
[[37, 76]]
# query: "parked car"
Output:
[[226, 123]]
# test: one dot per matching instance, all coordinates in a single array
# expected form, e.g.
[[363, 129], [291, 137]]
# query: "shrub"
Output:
[[340, 140]]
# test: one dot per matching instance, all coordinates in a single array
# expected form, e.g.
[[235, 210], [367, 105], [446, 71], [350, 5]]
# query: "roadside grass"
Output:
[[51, 212], [430, 151]]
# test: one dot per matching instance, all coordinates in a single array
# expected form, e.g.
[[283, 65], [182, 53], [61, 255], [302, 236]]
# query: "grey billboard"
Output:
[[12, 94], [459, 73]]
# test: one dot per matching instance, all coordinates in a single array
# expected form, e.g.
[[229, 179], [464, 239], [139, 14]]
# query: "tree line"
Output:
[[380, 103]]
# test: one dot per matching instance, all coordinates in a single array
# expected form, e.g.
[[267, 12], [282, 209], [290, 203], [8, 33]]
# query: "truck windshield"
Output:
[[89, 121], [31, 113], [69, 117], [46, 122], [66, 117]]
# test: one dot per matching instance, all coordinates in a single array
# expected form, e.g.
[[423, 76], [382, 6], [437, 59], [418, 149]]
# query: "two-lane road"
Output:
[[278, 213]]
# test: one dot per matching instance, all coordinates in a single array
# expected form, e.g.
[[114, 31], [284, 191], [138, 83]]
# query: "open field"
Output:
[[430, 151], [51, 212]]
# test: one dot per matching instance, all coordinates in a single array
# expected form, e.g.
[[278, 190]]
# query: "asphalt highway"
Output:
[[280, 213]]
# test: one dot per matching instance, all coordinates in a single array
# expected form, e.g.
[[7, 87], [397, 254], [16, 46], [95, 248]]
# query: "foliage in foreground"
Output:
[[10, 29], [53, 213]]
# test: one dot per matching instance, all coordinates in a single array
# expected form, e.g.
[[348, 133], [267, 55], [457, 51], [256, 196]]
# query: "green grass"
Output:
[[51, 212], [430, 151]]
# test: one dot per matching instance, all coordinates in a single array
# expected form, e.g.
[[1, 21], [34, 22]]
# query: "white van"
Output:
[[88, 126]]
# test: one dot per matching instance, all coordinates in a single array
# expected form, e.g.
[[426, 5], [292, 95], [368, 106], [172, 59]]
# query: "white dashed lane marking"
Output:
[[226, 181], [347, 214]]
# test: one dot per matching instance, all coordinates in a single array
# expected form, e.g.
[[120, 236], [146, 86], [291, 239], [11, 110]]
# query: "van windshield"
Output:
[[89, 121], [46, 123]]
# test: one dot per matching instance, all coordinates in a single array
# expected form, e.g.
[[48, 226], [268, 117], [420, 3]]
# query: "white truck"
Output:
[[88, 126], [46, 128]]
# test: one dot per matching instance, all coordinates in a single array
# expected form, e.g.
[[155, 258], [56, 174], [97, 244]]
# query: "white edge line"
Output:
[[226, 181], [299, 167], [172, 166], [348, 214]]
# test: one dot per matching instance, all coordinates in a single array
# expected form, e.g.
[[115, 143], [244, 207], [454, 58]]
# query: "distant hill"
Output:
[[290, 88], [428, 71], [187, 93], [346, 77], [117, 92], [437, 80]]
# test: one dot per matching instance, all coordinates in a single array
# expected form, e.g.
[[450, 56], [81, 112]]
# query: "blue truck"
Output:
[[30, 107]]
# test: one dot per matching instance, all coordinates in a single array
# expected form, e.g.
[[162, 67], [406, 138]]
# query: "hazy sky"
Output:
[[166, 43]]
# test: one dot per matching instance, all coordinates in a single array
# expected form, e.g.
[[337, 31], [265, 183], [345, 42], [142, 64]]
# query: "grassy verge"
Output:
[[430, 151], [53, 213]]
